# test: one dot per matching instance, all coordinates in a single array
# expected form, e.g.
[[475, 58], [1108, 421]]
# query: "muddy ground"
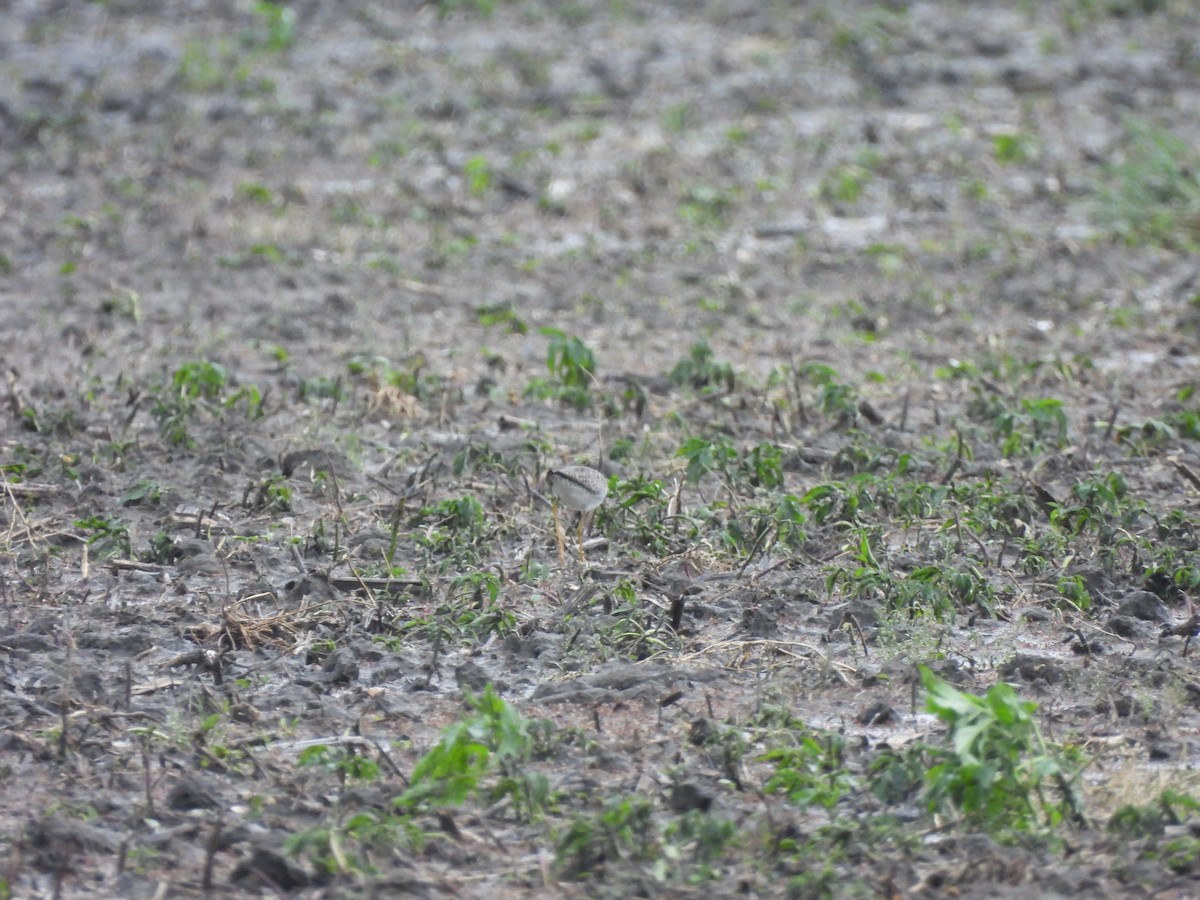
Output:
[[881, 318]]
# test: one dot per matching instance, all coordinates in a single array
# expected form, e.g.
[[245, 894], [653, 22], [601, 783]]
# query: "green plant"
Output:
[[492, 738], [835, 398], [61, 423], [260, 253], [473, 612], [475, 457], [637, 630], [624, 829], [345, 762], [937, 591], [1099, 505], [204, 66], [786, 514], [762, 466], [483, 587], [270, 494], [705, 207], [1135, 822], [145, 491], [450, 528], [677, 117], [162, 549], [845, 183], [321, 388], [1024, 429], [706, 456], [463, 515], [352, 844], [572, 368], [701, 371], [492, 315], [277, 28], [1172, 425], [408, 377], [697, 840], [1153, 194], [1009, 148], [812, 772], [838, 501], [569, 359], [478, 173], [193, 386], [108, 537], [199, 380], [1074, 591], [637, 508], [253, 192], [477, 8], [890, 258], [998, 773]]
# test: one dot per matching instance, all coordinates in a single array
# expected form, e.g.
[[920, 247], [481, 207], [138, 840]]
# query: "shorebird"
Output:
[[580, 488]]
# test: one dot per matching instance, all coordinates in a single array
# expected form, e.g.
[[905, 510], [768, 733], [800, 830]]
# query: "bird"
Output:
[[580, 488]]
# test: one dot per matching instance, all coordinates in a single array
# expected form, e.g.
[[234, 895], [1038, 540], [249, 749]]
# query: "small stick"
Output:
[[558, 534], [210, 851]]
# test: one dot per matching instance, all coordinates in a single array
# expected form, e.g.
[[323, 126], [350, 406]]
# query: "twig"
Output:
[[958, 458], [1187, 473]]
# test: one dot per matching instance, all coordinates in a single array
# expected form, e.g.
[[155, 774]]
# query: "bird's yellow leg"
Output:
[[581, 557], [558, 535]]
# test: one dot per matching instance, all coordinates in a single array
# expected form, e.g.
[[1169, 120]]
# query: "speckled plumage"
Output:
[[580, 488]]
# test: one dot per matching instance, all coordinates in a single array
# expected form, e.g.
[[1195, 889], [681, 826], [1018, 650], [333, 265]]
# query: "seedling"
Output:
[[701, 371], [476, 8], [845, 184], [1009, 148], [277, 27], [162, 549], [762, 466], [271, 494], [786, 515], [812, 772], [623, 829], [450, 528], [108, 537], [478, 173], [253, 192], [572, 368], [705, 207], [1029, 428], [570, 360], [705, 456], [997, 772], [1135, 822], [835, 398], [1156, 194], [838, 501], [501, 315], [145, 491], [347, 764], [637, 631], [476, 458], [194, 386], [493, 738], [408, 378], [637, 509], [677, 117]]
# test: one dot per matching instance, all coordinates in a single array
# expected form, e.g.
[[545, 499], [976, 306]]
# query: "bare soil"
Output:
[[275, 284]]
